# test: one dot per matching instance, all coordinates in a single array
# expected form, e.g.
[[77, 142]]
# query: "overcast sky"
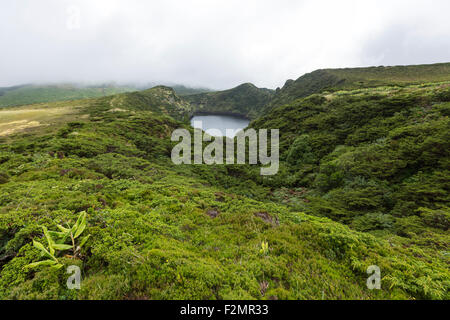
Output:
[[213, 43]]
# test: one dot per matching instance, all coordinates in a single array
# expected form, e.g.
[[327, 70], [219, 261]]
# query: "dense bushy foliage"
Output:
[[373, 160]]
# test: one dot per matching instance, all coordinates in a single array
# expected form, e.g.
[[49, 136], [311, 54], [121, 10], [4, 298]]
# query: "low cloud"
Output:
[[217, 44]]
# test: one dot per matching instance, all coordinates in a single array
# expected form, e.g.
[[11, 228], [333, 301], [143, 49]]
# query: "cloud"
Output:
[[420, 36], [218, 44]]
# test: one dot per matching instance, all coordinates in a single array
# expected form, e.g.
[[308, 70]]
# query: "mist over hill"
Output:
[[39, 93]]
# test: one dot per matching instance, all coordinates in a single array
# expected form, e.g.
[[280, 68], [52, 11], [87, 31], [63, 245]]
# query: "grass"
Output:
[[30, 117]]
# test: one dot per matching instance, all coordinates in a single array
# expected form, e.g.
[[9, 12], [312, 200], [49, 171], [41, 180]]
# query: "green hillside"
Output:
[[375, 159], [364, 180], [28, 94], [245, 99], [355, 78], [159, 99]]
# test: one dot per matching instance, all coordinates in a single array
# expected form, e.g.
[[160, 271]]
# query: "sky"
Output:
[[213, 43]]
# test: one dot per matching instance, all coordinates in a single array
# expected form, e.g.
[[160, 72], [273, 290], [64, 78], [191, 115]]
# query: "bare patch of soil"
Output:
[[213, 213], [267, 217]]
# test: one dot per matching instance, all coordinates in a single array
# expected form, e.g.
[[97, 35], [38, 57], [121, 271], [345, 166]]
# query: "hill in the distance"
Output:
[[34, 93], [356, 78], [245, 99], [183, 90], [28, 94], [159, 99]]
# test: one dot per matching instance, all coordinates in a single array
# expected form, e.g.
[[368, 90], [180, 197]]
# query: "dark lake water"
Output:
[[220, 123]]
